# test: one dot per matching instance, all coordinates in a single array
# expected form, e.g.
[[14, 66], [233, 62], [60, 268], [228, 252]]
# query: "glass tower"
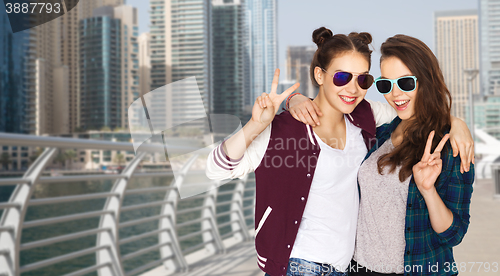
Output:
[[227, 26], [13, 77], [489, 31], [100, 62], [261, 48]]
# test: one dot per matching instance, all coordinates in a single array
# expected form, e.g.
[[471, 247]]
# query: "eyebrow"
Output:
[[407, 75], [340, 70]]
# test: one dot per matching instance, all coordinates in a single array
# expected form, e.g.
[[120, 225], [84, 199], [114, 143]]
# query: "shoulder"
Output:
[[284, 125], [363, 106], [286, 120], [384, 131]]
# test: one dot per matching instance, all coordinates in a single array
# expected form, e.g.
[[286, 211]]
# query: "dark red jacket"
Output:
[[283, 188]]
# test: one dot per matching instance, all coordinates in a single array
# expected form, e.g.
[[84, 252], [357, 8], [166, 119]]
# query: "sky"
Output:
[[297, 19]]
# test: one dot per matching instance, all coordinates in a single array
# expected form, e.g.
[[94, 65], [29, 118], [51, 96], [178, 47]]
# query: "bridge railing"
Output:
[[119, 224]]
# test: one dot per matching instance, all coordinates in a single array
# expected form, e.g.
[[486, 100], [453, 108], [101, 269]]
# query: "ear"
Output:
[[318, 75]]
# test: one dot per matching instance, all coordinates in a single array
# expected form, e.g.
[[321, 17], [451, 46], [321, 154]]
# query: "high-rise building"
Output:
[[48, 81], [70, 49], [109, 67], [261, 48], [489, 32], [145, 63], [130, 58], [298, 62], [227, 66], [181, 48], [13, 69], [457, 49]]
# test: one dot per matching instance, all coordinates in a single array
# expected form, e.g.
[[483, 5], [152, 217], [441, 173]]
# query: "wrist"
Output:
[[287, 104], [428, 193], [255, 127]]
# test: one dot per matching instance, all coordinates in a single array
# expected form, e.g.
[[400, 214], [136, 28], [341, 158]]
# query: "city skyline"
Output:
[[47, 64], [298, 19]]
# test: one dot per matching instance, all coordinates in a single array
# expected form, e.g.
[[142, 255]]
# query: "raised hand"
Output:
[[267, 105], [428, 169]]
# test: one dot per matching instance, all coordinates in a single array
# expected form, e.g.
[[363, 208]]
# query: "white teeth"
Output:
[[401, 102], [347, 99]]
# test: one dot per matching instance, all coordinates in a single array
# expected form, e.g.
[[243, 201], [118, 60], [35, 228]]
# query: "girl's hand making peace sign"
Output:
[[267, 105], [428, 169]]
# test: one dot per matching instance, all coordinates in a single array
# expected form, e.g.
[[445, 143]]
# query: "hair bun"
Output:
[[366, 38], [321, 35]]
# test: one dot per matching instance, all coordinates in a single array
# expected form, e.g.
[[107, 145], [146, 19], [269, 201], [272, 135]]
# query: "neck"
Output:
[[331, 116], [397, 135]]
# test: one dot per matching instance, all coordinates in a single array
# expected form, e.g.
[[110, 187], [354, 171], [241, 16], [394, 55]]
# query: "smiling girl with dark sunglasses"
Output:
[[415, 201], [306, 194]]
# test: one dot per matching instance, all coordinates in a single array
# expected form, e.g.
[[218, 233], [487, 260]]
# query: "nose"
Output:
[[396, 92], [352, 86]]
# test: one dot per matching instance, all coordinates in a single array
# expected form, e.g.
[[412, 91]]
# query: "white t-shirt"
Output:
[[328, 229]]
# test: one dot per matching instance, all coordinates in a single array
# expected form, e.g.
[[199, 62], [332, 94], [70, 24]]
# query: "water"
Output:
[[84, 187]]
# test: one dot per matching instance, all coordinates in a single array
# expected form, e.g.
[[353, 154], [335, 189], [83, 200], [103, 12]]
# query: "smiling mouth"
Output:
[[348, 100], [401, 105]]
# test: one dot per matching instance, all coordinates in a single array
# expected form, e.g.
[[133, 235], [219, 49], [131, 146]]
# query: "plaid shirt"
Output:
[[427, 252]]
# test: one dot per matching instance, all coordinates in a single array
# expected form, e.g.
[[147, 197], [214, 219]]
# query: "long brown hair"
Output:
[[432, 103], [331, 46]]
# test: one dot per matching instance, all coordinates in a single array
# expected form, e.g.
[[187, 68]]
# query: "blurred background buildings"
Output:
[[76, 77]]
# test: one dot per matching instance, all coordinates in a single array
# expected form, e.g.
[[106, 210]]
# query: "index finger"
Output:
[[441, 144], [289, 91], [428, 145], [274, 85]]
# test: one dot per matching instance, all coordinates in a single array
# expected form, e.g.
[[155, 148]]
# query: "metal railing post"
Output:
[[111, 221], [210, 224], [168, 223], [13, 217], [169, 235]]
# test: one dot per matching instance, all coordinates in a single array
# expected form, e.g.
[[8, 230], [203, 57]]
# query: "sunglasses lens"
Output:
[[342, 78], [384, 86], [365, 81], [406, 84]]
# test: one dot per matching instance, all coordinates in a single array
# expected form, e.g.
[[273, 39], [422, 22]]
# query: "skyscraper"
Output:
[[457, 48], [48, 81], [70, 49], [13, 67], [489, 28], [181, 48], [261, 48], [109, 67], [298, 62], [145, 63], [227, 65]]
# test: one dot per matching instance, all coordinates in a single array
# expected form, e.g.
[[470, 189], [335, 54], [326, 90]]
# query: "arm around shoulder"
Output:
[[383, 112]]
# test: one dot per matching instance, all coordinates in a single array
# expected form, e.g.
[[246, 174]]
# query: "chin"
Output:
[[404, 116], [348, 109]]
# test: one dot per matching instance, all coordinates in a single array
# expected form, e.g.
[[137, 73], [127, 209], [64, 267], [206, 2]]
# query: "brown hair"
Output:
[[432, 103], [331, 46]]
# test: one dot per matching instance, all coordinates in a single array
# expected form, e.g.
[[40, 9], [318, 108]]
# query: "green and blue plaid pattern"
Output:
[[427, 252]]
